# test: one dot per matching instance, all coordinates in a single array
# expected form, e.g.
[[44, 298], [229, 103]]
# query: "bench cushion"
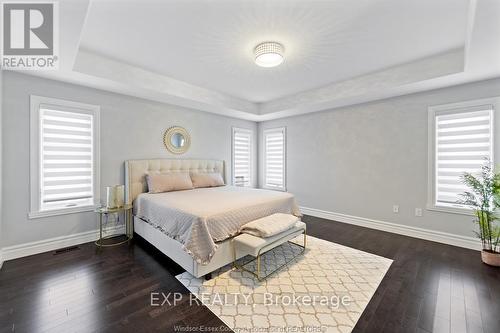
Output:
[[246, 244]]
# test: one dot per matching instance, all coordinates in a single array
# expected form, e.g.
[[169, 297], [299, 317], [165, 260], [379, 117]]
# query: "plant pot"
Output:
[[491, 258]]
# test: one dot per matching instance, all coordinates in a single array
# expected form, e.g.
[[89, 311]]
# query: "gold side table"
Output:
[[129, 230]]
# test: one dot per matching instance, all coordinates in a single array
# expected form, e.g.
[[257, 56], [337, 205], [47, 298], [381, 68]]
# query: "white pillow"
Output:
[[211, 179], [166, 182]]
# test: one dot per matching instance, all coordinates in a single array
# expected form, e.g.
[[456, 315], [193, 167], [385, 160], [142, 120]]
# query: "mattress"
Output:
[[200, 218]]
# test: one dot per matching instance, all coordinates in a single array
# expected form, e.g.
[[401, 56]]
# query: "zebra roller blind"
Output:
[[66, 158], [274, 158], [242, 157], [464, 140]]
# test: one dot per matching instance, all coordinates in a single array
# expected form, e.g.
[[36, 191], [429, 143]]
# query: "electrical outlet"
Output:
[[418, 212], [395, 209]]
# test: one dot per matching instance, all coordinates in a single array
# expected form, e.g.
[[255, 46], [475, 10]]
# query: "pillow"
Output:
[[207, 179], [166, 182]]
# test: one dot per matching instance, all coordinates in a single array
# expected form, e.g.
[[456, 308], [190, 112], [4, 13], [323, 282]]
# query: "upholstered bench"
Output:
[[246, 244]]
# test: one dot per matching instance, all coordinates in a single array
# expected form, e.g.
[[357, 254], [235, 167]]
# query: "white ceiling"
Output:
[[209, 43], [198, 53]]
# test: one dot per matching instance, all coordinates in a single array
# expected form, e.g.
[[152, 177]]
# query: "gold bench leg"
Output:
[[234, 253], [258, 267], [258, 259]]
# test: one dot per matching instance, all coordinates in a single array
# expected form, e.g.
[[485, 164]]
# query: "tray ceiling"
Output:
[[199, 54]]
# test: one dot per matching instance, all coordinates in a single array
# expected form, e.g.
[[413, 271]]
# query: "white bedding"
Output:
[[200, 217]]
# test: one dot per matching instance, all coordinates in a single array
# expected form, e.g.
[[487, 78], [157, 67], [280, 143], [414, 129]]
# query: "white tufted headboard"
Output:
[[136, 170]]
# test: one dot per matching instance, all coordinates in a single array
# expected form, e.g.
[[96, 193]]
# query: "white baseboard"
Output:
[[1, 258], [427, 234], [51, 244]]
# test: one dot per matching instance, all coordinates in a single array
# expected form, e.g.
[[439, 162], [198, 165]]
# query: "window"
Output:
[[64, 157], [242, 157], [460, 139], [275, 159]]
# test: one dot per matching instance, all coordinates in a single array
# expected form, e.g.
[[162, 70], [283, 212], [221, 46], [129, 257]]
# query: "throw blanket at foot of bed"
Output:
[[270, 225]]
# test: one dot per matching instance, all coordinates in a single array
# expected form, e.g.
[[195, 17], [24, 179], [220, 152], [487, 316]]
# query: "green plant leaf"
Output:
[[484, 197]]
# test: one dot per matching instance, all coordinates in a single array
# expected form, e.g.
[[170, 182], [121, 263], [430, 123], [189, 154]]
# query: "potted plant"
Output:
[[484, 198]]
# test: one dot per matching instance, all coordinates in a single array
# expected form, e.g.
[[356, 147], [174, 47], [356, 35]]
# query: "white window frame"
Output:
[[251, 157], [264, 133], [433, 112], [35, 155]]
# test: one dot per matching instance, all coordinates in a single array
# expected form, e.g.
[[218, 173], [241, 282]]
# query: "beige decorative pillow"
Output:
[[166, 182], [207, 179]]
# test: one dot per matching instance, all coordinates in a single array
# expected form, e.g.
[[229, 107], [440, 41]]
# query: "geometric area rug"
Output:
[[324, 290]]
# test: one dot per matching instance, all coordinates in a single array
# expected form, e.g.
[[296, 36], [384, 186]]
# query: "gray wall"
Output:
[[357, 160], [131, 128], [361, 160], [1, 207]]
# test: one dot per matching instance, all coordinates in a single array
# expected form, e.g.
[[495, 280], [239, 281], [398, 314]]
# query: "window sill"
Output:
[[451, 210], [280, 189], [64, 211]]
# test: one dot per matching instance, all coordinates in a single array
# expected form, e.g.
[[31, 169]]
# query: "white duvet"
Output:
[[201, 217]]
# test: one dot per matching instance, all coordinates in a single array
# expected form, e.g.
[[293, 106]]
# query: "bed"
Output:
[[194, 227]]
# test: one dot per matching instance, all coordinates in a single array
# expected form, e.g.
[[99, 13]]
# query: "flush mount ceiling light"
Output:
[[269, 54]]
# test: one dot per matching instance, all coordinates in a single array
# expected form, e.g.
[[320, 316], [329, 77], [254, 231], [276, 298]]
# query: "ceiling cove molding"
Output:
[[72, 17], [483, 48], [381, 81], [189, 95], [125, 89], [100, 72], [414, 88], [471, 17]]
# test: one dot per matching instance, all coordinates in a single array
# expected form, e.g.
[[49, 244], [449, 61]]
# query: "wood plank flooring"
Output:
[[430, 287]]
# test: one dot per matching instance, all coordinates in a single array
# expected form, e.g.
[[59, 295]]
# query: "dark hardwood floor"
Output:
[[430, 287]]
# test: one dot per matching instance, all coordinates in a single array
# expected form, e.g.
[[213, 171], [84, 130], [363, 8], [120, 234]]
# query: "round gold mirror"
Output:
[[176, 140]]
